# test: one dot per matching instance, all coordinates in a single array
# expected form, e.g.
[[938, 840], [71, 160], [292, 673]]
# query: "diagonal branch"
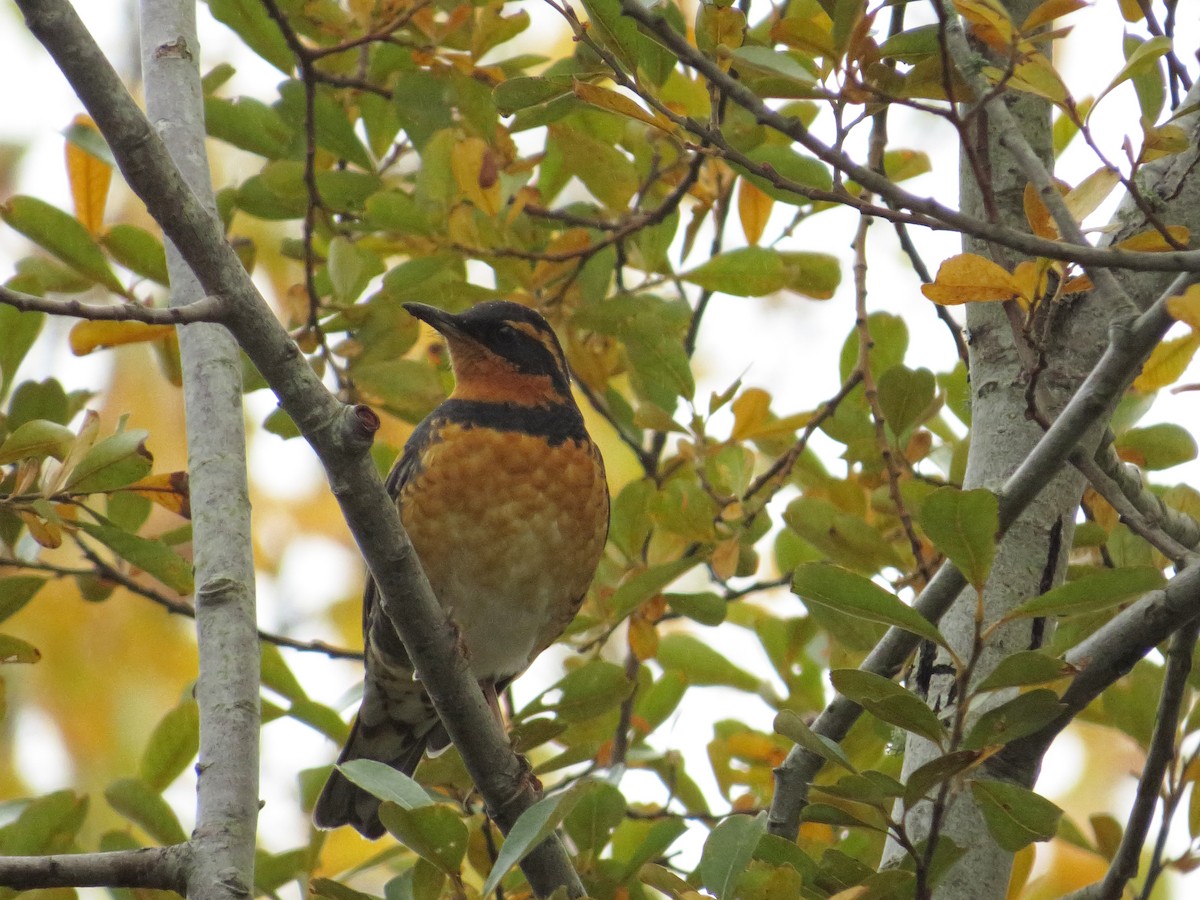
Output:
[[934, 214], [341, 436], [1130, 345]]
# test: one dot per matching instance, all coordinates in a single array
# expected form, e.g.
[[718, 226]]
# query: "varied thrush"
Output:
[[504, 497]]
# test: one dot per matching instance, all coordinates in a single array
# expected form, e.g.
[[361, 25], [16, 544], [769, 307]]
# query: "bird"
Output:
[[504, 497]]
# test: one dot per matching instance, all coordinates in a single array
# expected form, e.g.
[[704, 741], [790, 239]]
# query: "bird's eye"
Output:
[[506, 333]]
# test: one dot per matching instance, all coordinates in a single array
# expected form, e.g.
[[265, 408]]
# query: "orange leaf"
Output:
[[754, 209], [968, 278], [87, 337], [1049, 11], [90, 178], [989, 22], [1037, 215]]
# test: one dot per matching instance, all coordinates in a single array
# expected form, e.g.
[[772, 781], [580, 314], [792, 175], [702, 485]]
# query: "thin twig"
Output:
[[206, 309]]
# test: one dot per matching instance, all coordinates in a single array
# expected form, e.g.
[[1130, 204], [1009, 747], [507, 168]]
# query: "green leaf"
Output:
[[172, 746], [728, 850], [605, 171], [636, 842], [889, 702], [522, 92], [334, 131], [15, 650], [938, 770], [142, 805], [382, 781], [846, 539], [249, 20], [1024, 668], [904, 396], [790, 725], [404, 387], [1024, 714], [1140, 61], [639, 587], [964, 525], [421, 104], [397, 211], [534, 825], [1157, 446], [277, 675], [61, 235], [745, 272], [115, 462], [830, 586], [16, 591], [48, 824], [655, 704], [889, 333], [319, 717], [757, 62], [707, 608], [701, 663], [601, 809], [37, 440], [273, 870], [587, 691], [138, 251], [1099, 590], [251, 125], [152, 556], [20, 330], [1015, 816], [787, 163], [434, 832]]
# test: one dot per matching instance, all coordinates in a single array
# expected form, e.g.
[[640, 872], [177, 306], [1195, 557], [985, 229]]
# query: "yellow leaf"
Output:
[[1036, 75], [1186, 307], [1151, 241], [616, 103], [1167, 362], [1131, 10], [643, 638], [1047, 12], [1091, 192], [477, 173], [87, 337], [1164, 141], [750, 410], [968, 278], [168, 489], [724, 559], [90, 177], [45, 532], [571, 242], [754, 209], [1031, 278]]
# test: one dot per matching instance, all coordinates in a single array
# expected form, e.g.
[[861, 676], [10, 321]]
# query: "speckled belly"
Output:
[[509, 532]]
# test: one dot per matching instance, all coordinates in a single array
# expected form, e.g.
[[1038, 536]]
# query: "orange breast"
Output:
[[509, 531]]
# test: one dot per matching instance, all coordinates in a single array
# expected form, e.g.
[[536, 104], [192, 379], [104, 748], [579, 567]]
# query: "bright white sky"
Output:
[[810, 335]]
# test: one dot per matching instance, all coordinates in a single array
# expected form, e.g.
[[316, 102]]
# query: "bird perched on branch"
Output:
[[503, 495]]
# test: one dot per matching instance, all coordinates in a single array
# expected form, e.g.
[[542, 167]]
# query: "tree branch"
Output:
[[1130, 346], [340, 436], [934, 214], [1102, 658], [206, 309], [160, 868]]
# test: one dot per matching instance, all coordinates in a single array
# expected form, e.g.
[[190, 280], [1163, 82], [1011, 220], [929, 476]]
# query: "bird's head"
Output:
[[502, 352]]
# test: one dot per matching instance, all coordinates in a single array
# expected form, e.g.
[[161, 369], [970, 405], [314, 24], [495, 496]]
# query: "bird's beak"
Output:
[[441, 321]]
